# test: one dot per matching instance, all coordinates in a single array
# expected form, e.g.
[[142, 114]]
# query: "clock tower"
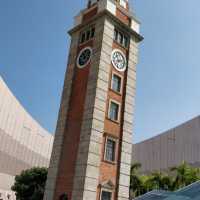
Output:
[[91, 156]]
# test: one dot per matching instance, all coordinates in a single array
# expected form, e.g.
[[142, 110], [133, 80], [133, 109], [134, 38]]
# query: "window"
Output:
[[106, 195], [87, 35], [115, 35], [116, 83], [92, 32], [110, 147], [83, 38], [121, 38], [125, 41], [114, 111]]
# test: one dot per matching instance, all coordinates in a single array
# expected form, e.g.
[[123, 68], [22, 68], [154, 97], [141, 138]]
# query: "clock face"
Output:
[[84, 57], [118, 60]]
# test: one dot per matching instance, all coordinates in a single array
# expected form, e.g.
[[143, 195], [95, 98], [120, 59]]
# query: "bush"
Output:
[[30, 184], [177, 178]]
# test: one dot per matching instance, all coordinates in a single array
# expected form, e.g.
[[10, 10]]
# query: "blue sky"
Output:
[[34, 47]]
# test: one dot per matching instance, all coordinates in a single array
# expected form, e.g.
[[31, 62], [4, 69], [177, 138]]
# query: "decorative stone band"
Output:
[[89, 154], [125, 165], [126, 28], [112, 7]]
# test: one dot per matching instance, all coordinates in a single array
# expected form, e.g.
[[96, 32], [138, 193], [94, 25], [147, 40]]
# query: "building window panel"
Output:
[[87, 35], [125, 42], [92, 32], [115, 35], [114, 111], [83, 38], [106, 195], [121, 38], [116, 83], [110, 149]]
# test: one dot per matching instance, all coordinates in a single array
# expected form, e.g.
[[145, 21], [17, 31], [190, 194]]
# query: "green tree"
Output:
[[179, 177], [159, 181], [30, 184], [167, 182], [184, 175], [193, 175], [136, 183]]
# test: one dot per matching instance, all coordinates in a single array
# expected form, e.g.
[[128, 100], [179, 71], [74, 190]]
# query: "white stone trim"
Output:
[[107, 5], [78, 19], [111, 7], [135, 26], [123, 3], [125, 163], [89, 157]]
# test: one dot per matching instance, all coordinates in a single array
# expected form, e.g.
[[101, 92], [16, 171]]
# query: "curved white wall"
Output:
[[170, 148], [23, 142]]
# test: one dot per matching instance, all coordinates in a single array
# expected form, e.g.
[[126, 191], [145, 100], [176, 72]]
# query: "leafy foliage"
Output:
[[177, 178], [30, 184]]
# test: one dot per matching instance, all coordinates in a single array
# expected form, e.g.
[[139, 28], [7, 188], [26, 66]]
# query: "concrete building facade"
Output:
[[23, 142], [91, 156], [170, 148]]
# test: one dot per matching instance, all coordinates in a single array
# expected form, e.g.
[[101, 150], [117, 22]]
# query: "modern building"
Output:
[[23, 142], [91, 156], [191, 192], [170, 148]]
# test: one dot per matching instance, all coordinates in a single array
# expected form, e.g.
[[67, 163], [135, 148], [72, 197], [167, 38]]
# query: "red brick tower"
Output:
[[93, 142]]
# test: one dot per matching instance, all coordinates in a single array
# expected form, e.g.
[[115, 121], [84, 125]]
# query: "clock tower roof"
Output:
[[123, 3], [117, 9]]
